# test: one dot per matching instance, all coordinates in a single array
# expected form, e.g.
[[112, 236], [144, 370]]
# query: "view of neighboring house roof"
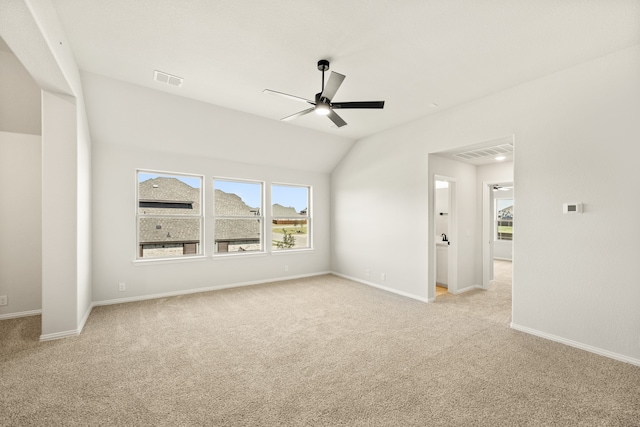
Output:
[[281, 211], [229, 204], [154, 196], [230, 230], [169, 230], [163, 189]]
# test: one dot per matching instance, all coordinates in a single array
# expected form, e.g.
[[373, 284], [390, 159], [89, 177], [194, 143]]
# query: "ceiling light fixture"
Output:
[[322, 109], [500, 158]]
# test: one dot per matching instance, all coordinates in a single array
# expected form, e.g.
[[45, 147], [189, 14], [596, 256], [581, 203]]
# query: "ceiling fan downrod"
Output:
[[323, 65]]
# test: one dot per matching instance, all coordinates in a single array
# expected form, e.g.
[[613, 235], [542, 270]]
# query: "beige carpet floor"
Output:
[[320, 351]]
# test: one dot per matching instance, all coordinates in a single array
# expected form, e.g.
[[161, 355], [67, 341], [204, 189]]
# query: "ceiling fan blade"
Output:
[[332, 86], [359, 104], [336, 119], [286, 95], [298, 114]]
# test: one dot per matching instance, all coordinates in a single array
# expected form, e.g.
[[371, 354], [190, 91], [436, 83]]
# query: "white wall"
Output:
[[576, 132], [118, 153], [20, 188], [124, 113], [19, 96], [84, 178], [442, 206], [59, 219], [34, 34], [114, 227], [20, 223], [379, 202]]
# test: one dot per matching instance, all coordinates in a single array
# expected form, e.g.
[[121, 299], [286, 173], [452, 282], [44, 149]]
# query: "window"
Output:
[[290, 217], [169, 215], [238, 216], [504, 219]]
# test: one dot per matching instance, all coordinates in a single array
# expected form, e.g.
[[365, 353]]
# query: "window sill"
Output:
[[238, 255], [157, 261], [292, 251]]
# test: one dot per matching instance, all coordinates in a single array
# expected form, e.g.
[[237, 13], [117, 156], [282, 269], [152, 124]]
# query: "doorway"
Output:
[[444, 243], [497, 230], [474, 167]]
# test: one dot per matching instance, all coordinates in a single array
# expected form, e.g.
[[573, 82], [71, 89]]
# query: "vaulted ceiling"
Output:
[[420, 56]]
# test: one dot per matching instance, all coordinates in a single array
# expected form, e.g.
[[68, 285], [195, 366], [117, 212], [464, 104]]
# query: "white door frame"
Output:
[[452, 272], [487, 233]]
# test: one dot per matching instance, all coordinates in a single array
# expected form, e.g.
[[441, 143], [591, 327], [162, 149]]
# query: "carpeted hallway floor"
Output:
[[319, 351]]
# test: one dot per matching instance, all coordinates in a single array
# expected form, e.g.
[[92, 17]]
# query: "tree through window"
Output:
[[504, 219], [290, 217]]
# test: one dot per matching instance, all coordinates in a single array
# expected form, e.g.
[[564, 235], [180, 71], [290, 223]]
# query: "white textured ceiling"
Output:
[[410, 53]]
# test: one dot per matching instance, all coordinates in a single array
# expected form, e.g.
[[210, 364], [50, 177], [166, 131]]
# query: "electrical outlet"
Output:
[[286, 268], [3, 300], [367, 273], [122, 287], [383, 277]]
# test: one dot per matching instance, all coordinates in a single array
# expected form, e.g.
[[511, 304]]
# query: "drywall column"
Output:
[[59, 216]]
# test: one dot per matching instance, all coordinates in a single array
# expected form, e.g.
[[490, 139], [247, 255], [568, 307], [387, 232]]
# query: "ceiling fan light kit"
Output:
[[322, 104]]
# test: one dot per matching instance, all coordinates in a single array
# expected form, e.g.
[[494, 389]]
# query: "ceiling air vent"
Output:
[[161, 77], [484, 152]]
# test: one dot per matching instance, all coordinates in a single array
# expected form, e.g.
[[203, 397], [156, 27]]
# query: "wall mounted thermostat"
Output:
[[572, 208]]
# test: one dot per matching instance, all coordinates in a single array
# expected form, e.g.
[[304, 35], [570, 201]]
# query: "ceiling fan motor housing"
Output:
[[321, 100]]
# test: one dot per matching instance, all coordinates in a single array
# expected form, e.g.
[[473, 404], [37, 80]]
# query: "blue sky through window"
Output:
[[249, 192], [504, 203], [290, 196]]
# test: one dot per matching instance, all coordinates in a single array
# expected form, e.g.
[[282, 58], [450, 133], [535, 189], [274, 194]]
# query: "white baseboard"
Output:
[[58, 335], [576, 344], [467, 289], [86, 316], [71, 333], [205, 289], [20, 314], [384, 288]]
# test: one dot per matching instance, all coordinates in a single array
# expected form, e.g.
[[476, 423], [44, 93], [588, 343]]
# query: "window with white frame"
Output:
[[504, 219], [238, 216], [290, 217], [169, 215]]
